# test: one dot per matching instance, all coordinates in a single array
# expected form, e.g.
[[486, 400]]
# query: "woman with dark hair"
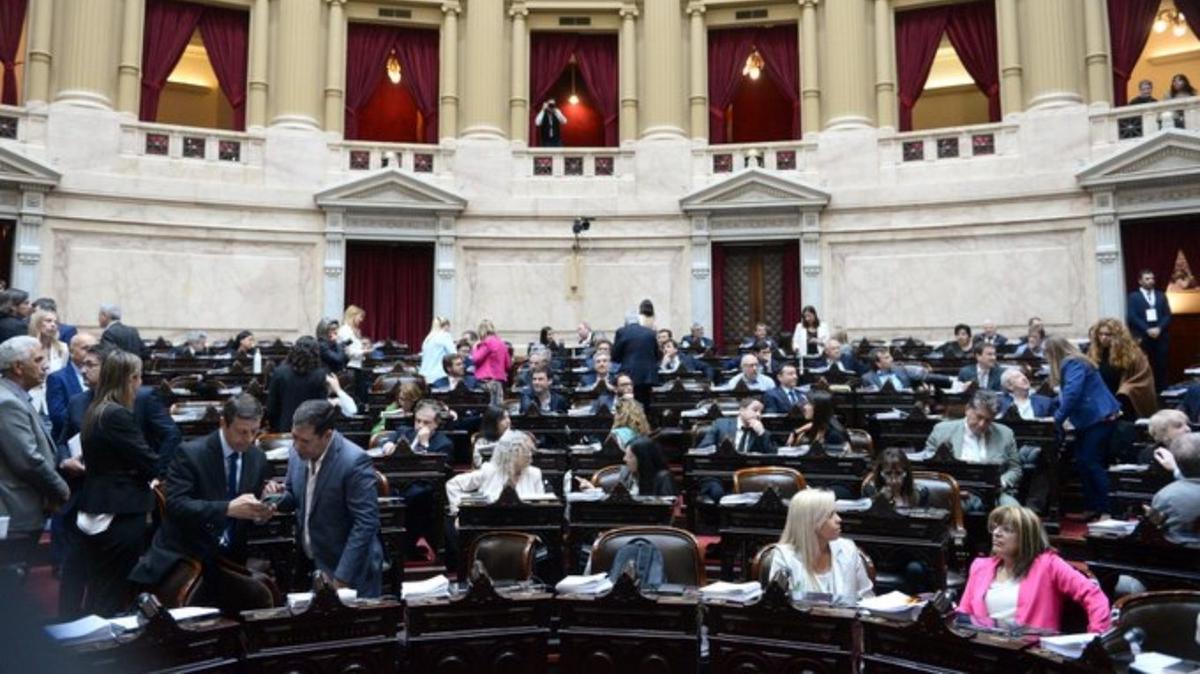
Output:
[[962, 346], [14, 309], [301, 377], [892, 477], [822, 425], [1181, 87], [492, 425], [333, 352], [1093, 411], [645, 472], [810, 333], [116, 496]]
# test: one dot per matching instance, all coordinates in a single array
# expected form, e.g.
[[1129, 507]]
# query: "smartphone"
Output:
[[273, 499]]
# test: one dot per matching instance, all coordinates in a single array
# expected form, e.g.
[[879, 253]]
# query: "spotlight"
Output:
[[581, 225], [573, 99]]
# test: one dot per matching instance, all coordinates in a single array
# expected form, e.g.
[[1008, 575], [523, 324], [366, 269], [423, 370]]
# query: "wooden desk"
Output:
[[1146, 555], [618, 509], [628, 631], [930, 645], [543, 519], [1130, 490]]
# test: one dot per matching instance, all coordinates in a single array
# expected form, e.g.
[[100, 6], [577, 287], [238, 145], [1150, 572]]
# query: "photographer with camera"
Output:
[[549, 123]]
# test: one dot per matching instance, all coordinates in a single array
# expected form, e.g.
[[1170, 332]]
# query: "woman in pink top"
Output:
[[1024, 581], [490, 355]]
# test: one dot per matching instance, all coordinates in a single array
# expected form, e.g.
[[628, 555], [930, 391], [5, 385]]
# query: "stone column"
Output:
[[335, 68], [1053, 53], [1012, 97], [810, 72], [847, 65], [885, 65], [444, 269], [28, 244], [297, 62], [1106, 232], [810, 260], [662, 111], [702, 305], [1099, 64], [87, 47], [37, 68], [129, 72], [483, 98], [256, 91], [334, 277], [448, 71], [698, 65], [518, 101], [628, 65]]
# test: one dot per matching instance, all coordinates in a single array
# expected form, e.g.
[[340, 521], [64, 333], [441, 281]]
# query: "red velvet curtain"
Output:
[[597, 59], [918, 33], [12, 23], [1154, 245], [226, 35], [1129, 25], [790, 270], [779, 47], [168, 28], [718, 296], [972, 31], [1191, 13], [727, 52], [367, 47], [417, 51], [549, 54], [394, 284]]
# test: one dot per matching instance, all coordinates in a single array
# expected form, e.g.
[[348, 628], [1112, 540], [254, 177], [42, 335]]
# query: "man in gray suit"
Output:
[[29, 484], [1179, 502], [331, 486], [976, 439]]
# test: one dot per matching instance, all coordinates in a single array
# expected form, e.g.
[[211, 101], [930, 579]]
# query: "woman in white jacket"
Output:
[[351, 337], [814, 553]]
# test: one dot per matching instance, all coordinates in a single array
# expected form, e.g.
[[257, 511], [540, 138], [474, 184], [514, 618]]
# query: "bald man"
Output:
[[67, 381]]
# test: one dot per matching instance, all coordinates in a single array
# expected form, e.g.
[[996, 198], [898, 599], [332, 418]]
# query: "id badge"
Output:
[[1152, 315]]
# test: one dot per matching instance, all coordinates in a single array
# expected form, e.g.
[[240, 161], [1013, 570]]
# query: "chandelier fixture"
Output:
[[573, 99], [393, 68], [754, 65], [1173, 19]]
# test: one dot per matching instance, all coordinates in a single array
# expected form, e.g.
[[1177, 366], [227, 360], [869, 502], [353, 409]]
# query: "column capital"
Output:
[[451, 7], [518, 8], [628, 10], [335, 3], [808, 3], [696, 7]]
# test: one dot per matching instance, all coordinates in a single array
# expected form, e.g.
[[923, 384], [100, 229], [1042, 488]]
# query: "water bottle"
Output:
[[257, 361]]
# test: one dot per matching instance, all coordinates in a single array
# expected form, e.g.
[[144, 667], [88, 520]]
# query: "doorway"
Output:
[[752, 283], [393, 283]]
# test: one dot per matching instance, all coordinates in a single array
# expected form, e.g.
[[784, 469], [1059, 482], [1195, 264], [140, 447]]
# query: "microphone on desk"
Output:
[[1135, 637]]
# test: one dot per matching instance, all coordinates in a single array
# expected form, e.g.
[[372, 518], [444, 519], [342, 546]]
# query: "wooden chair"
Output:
[[381, 485], [682, 562], [860, 441], [943, 493], [785, 481], [507, 555], [607, 478]]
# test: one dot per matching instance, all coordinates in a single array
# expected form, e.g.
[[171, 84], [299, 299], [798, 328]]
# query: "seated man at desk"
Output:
[[331, 486], [195, 344], [767, 363], [456, 373], [984, 372], [695, 342], [886, 370], [760, 335], [539, 395], [624, 391], [671, 361], [833, 356], [977, 439], [746, 431], [601, 372], [782, 398], [213, 491], [424, 436], [539, 356], [1165, 426], [1016, 392], [1179, 502], [751, 376]]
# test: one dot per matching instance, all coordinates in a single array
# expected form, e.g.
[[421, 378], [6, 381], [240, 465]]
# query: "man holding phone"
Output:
[[213, 489]]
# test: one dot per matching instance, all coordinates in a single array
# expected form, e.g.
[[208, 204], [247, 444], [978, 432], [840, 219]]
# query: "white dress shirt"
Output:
[[974, 448]]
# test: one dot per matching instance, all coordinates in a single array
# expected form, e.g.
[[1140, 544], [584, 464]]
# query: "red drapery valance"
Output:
[[12, 23], [1129, 25], [727, 52], [597, 57], [367, 49]]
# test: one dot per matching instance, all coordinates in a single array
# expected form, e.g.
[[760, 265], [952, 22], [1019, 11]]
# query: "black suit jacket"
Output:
[[970, 373], [1135, 314], [558, 404], [120, 465], [438, 442], [153, 418], [288, 389], [636, 349], [196, 507], [776, 401], [124, 337], [726, 429], [12, 326]]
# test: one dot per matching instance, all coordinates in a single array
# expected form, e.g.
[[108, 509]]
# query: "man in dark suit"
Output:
[[213, 491], [195, 344], [623, 389], [1016, 392], [601, 371], [331, 486], [767, 363], [984, 372], [419, 501], [990, 336], [540, 396], [695, 342], [64, 383], [636, 349], [1149, 316], [886, 370], [783, 398], [456, 375], [117, 333], [14, 313], [833, 355], [747, 434]]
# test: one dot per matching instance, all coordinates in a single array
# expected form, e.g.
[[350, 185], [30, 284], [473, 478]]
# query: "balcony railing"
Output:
[[357, 155], [953, 143], [216, 146], [1134, 122], [19, 124], [790, 155], [572, 162]]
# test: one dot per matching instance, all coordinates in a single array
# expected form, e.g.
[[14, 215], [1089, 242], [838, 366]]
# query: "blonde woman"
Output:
[[1123, 365], [629, 421], [43, 324], [814, 553], [492, 361], [511, 465], [438, 344], [350, 335]]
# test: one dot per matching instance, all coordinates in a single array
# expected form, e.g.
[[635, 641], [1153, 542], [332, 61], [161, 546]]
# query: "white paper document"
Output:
[[438, 586], [596, 583]]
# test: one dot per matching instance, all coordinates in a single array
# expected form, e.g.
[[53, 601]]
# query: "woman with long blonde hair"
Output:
[[351, 336], [492, 361], [43, 326], [1123, 366], [811, 549], [1092, 410], [629, 421], [438, 344]]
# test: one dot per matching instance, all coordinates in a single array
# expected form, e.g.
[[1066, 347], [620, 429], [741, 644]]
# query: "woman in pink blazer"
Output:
[[490, 355], [1024, 581]]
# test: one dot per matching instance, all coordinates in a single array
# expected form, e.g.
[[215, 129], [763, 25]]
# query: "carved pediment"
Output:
[[1168, 157], [390, 190], [754, 189], [17, 169]]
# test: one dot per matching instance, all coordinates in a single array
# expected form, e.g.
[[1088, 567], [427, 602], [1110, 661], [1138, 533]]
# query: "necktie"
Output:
[[791, 396], [745, 441], [310, 489], [231, 490]]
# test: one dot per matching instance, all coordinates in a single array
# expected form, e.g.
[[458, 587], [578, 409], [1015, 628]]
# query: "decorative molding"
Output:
[[28, 257], [1161, 194], [812, 270], [445, 273], [753, 190], [1107, 256], [701, 272]]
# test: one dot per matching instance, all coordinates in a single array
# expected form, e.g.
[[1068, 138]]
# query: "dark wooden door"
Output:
[[759, 282]]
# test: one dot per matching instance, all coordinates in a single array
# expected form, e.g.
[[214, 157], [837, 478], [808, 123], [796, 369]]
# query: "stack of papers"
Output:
[[1112, 527], [793, 451], [1156, 663], [894, 603], [1068, 645], [94, 628], [587, 496], [852, 505], [743, 593], [278, 454], [438, 586], [893, 414], [745, 498], [298, 601], [597, 583]]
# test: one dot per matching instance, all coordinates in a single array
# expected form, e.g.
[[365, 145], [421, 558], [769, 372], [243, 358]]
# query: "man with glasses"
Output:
[[976, 438]]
